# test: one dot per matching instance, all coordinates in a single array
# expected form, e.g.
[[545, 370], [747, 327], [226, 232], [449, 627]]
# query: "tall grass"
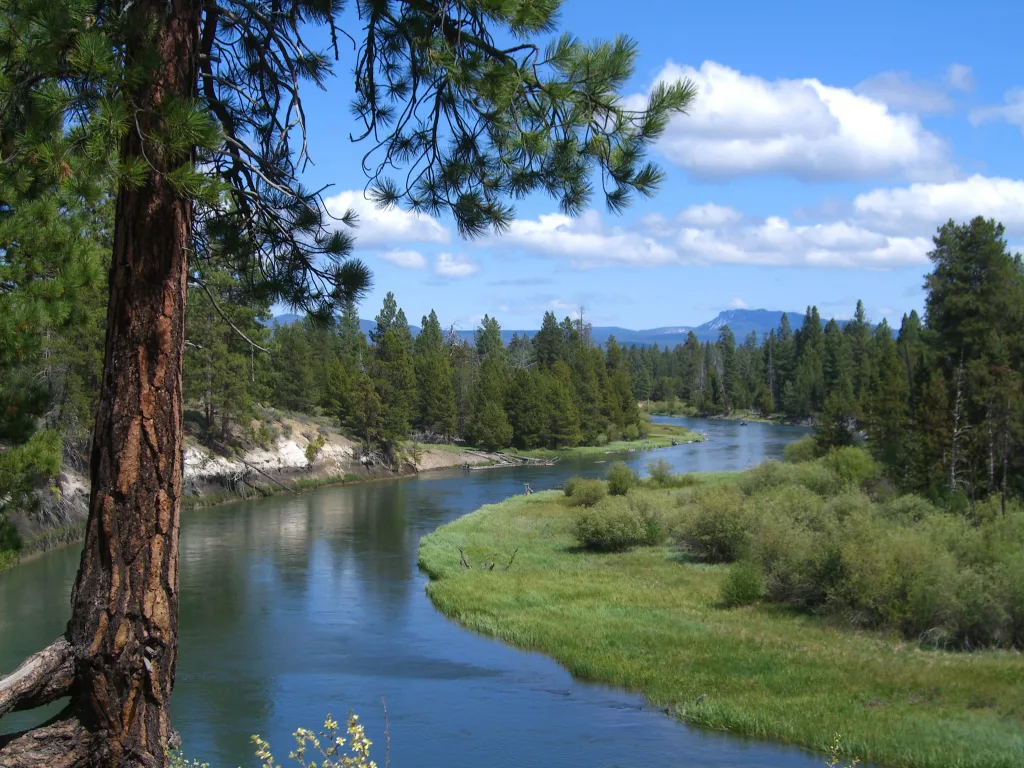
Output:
[[657, 618]]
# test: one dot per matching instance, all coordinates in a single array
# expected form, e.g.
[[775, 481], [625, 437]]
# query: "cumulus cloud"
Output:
[[587, 243], [960, 77], [404, 259], [452, 265], [920, 208], [900, 91], [709, 215], [377, 227], [745, 125], [738, 304], [1011, 110]]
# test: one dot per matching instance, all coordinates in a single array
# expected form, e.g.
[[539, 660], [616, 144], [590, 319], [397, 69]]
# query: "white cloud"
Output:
[[450, 265], [745, 125], [898, 90], [1011, 110], [960, 77], [586, 243], [920, 208], [377, 227], [709, 215], [738, 304], [404, 259]]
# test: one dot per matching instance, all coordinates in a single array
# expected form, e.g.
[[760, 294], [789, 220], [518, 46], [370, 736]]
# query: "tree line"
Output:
[[940, 401], [554, 391]]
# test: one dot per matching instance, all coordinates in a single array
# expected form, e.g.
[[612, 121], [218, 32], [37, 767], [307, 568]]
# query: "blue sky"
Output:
[[827, 142]]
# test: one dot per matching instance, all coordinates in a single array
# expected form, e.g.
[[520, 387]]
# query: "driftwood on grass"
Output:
[[486, 566]]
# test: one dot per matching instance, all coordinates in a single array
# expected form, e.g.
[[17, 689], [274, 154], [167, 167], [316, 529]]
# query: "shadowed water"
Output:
[[293, 607]]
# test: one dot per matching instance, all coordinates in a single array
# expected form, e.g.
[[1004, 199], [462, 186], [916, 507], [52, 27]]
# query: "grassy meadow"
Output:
[[652, 619]]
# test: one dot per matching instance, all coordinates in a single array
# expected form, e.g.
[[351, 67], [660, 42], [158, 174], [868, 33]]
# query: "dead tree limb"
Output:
[[511, 559], [42, 678], [272, 479]]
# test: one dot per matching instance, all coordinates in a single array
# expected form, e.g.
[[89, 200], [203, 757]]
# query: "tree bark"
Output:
[[124, 623]]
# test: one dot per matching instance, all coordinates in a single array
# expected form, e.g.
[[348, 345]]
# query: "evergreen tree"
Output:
[[294, 384], [563, 429], [527, 408], [548, 343], [490, 427], [434, 380], [223, 373], [487, 339], [888, 411]]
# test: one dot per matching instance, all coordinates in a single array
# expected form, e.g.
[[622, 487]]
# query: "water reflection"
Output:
[[293, 607]]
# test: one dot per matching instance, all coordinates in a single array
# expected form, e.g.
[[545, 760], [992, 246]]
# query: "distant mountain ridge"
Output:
[[740, 321]]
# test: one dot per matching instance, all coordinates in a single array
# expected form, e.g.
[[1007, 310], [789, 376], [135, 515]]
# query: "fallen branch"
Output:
[[462, 559], [272, 479], [511, 559], [42, 678]]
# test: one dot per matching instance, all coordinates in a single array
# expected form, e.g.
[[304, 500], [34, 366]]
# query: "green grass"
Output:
[[649, 620], [658, 436]]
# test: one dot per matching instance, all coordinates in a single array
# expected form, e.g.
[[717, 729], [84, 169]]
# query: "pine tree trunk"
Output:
[[123, 629], [124, 623]]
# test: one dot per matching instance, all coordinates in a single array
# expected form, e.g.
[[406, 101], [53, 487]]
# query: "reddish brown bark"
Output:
[[123, 629]]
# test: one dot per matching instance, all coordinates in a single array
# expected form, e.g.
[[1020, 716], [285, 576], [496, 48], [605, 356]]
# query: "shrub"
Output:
[[660, 472], [587, 493], [570, 485], [609, 526], [907, 509], [631, 432], [853, 466], [804, 449], [313, 449], [719, 529], [650, 517], [601, 439], [9, 538], [621, 479], [742, 586], [617, 524]]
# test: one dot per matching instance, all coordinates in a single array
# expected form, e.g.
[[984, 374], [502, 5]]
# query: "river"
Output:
[[293, 607]]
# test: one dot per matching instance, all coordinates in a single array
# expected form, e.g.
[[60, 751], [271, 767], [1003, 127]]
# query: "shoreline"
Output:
[[650, 620], [433, 458]]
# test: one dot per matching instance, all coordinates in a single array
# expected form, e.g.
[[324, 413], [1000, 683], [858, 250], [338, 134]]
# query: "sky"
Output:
[[827, 143]]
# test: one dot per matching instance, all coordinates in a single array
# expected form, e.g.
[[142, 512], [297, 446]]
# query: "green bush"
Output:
[[621, 479], [718, 531], [609, 526], [618, 523], [804, 449], [570, 485], [9, 538], [742, 586], [908, 508], [853, 466], [650, 516], [660, 472], [631, 432], [587, 493]]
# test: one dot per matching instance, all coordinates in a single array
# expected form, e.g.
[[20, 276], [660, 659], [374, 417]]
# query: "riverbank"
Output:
[[288, 464], [658, 436], [650, 620], [679, 411]]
